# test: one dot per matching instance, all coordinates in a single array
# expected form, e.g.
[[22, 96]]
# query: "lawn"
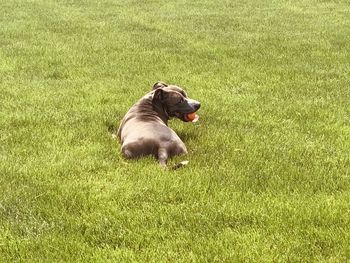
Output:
[[268, 178]]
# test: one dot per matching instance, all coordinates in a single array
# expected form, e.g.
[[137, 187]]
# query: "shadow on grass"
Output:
[[186, 136], [112, 128]]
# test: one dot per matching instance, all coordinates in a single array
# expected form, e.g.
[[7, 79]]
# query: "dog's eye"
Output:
[[181, 100]]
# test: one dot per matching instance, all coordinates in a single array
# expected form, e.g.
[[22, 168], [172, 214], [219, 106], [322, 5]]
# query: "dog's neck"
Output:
[[161, 111], [149, 109]]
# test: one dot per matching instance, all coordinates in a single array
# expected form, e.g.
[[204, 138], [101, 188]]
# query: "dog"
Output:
[[144, 129]]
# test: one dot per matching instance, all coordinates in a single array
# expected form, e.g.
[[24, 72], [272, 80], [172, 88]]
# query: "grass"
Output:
[[268, 179]]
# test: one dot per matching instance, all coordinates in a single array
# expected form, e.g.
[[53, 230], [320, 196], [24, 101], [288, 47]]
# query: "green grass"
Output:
[[269, 172]]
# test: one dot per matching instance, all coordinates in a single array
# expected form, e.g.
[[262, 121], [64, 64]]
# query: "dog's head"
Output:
[[174, 100]]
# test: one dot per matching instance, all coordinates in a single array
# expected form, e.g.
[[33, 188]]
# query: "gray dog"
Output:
[[144, 129]]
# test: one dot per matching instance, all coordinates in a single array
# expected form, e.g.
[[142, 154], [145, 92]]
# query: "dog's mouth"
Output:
[[187, 117]]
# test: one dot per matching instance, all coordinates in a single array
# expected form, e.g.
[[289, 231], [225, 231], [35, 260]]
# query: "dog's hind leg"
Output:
[[127, 152], [131, 150], [162, 156]]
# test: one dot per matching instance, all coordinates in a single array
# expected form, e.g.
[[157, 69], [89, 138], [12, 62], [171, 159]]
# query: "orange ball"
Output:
[[191, 116]]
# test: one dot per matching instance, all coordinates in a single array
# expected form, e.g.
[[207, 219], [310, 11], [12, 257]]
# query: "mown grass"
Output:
[[268, 179]]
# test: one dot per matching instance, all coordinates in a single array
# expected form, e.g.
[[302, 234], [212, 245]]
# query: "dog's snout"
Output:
[[198, 105]]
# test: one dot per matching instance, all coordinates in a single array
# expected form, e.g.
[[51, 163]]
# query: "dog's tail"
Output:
[[179, 165]]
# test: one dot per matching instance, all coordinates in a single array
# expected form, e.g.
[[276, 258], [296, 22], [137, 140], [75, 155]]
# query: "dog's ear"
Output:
[[159, 94], [159, 84]]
